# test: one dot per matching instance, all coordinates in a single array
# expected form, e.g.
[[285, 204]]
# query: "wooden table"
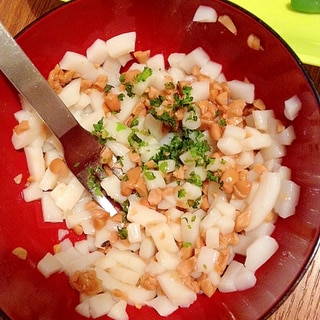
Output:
[[304, 301]]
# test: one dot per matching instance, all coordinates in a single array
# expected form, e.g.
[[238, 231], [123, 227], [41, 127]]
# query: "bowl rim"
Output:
[[315, 247]]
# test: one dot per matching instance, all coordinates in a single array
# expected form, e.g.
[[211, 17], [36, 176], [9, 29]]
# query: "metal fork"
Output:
[[81, 149]]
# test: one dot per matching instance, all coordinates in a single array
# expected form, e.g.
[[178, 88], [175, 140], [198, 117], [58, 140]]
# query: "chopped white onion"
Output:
[[292, 106], [205, 14]]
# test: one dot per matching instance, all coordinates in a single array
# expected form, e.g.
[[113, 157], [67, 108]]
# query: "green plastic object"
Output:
[[310, 6]]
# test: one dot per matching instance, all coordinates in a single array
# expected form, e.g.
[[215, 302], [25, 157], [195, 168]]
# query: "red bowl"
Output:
[[164, 27]]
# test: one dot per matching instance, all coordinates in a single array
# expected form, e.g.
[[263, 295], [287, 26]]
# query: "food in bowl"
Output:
[[277, 76], [196, 154]]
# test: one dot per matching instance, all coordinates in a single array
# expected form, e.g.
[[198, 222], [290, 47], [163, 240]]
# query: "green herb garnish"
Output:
[[123, 233], [100, 132], [195, 179], [187, 244], [181, 193], [149, 175], [94, 181], [107, 88], [144, 75]]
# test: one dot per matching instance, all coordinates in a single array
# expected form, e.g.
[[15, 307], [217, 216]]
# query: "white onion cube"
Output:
[[121, 44], [205, 14], [49, 265], [292, 107], [260, 251]]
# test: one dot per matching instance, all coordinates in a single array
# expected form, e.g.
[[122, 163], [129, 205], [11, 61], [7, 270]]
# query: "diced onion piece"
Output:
[[212, 237], [80, 64], [245, 279], [23, 139], [124, 274], [211, 69], [124, 59], [35, 162], [118, 131], [166, 166], [97, 52], [67, 196], [234, 132], [178, 293], [287, 136], [50, 211], [175, 58], [274, 151], [237, 277], [169, 260], [227, 283], [242, 90], [121, 44], [265, 228], [256, 140], [49, 265], [243, 244], [159, 78], [226, 209], [32, 192], [70, 94], [136, 295], [112, 186], [162, 305], [156, 62], [147, 248], [154, 179], [48, 181], [190, 192], [62, 233], [118, 311], [229, 146], [190, 231], [264, 198], [163, 238], [260, 251], [117, 148], [101, 304], [197, 57], [82, 246], [154, 126], [206, 259], [78, 218], [144, 215], [292, 107], [191, 119], [65, 245], [205, 14], [83, 308], [66, 256], [261, 117], [81, 262], [288, 198], [200, 90], [226, 224], [134, 232]]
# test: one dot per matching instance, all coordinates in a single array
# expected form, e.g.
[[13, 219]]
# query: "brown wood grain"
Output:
[[304, 302]]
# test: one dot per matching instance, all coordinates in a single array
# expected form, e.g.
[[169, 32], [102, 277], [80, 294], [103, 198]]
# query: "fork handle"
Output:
[[27, 79]]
